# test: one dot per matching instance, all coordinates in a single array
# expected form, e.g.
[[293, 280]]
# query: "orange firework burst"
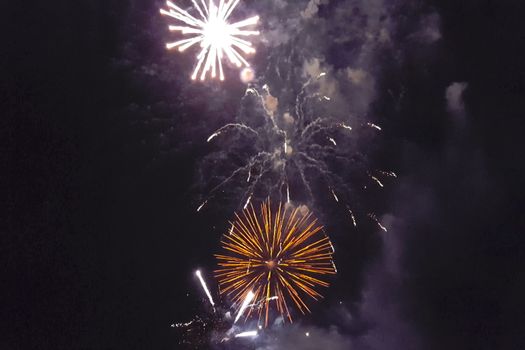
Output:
[[278, 256]]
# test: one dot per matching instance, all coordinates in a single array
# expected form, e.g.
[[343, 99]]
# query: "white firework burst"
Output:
[[216, 37]]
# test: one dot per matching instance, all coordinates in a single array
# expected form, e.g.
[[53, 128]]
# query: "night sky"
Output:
[[104, 162]]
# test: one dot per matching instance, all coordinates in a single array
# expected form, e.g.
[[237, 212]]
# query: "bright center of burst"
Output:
[[216, 32], [272, 264], [218, 37]]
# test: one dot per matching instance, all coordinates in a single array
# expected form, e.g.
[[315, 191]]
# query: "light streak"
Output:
[[344, 126], [212, 136], [212, 31], [202, 205], [374, 218], [352, 216], [245, 303], [377, 181], [335, 267], [204, 286], [333, 194], [246, 334], [372, 125], [247, 201]]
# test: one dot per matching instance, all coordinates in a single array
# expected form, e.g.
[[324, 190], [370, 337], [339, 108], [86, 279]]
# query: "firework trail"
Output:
[[212, 31], [274, 256], [246, 334], [205, 287], [247, 300]]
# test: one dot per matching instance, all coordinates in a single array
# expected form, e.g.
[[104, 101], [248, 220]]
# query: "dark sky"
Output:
[[100, 158]]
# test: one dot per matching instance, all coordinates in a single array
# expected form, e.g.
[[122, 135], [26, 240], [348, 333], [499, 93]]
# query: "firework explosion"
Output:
[[274, 256], [287, 153], [297, 142], [215, 35]]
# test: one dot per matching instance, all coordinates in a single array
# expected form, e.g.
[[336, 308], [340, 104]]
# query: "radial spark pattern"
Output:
[[279, 256], [215, 35]]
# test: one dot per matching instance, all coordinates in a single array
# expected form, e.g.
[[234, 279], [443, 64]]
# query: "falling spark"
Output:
[[374, 218], [286, 259], [245, 303], [335, 267], [326, 98], [216, 36], [246, 334], [352, 216], [231, 126], [204, 286], [212, 136], [178, 325], [332, 141], [372, 125], [344, 126], [377, 180], [249, 175], [248, 201], [202, 205], [333, 194], [321, 75], [388, 173]]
